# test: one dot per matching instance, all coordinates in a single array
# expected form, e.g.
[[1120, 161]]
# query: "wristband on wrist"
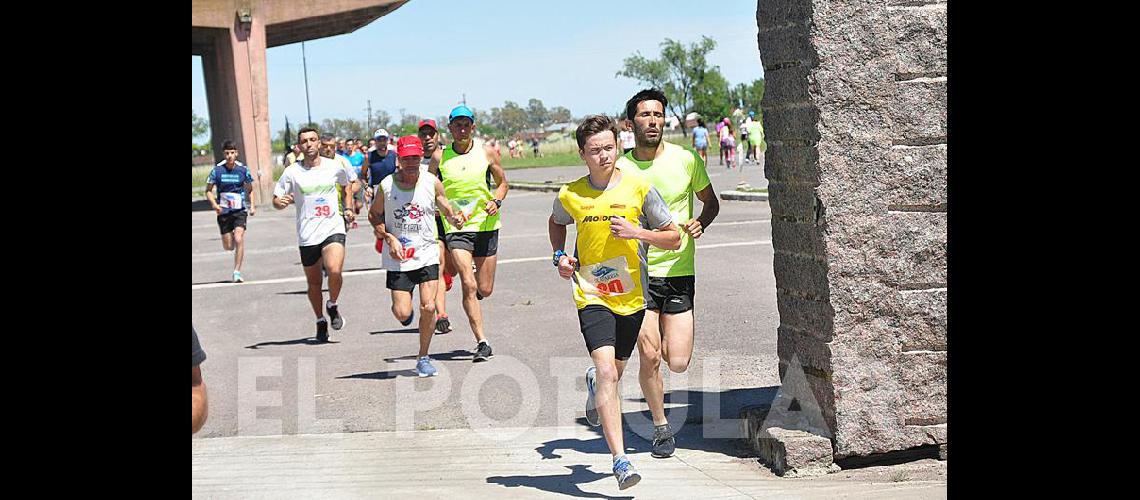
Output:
[[558, 254]]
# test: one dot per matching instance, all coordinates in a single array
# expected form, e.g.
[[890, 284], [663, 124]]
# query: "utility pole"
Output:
[[464, 99], [306, 68], [369, 127]]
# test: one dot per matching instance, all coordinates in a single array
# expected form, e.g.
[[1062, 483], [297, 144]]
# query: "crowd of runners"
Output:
[[436, 212]]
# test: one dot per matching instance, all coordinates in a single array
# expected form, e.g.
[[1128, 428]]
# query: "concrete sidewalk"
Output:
[[538, 462]]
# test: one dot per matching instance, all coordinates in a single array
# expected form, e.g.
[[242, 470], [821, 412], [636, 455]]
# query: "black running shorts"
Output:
[[406, 281], [602, 327], [670, 295], [480, 244], [312, 253], [233, 220]]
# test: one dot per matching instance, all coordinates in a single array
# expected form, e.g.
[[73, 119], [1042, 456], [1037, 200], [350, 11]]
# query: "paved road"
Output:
[[265, 376]]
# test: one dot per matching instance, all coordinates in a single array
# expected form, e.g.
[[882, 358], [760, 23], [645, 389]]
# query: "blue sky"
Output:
[[425, 55]]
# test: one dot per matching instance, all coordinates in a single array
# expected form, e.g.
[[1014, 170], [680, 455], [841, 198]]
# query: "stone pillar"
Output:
[[237, 91], [855, 119]]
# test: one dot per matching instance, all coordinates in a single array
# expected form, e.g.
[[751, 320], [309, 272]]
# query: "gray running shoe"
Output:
[[663, 442], [482, 352], [335, 317], [626, 473], [591, 406]]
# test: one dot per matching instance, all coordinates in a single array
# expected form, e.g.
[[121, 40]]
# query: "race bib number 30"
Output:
[[610, 277], [231, 200]]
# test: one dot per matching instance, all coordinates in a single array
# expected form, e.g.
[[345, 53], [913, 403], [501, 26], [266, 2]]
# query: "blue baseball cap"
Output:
[[459, 111]]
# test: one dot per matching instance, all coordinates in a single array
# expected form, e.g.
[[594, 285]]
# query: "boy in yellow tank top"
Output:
[[618, 214]]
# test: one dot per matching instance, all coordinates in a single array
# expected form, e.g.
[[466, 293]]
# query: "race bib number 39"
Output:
[[610, 277], [231, 200], [322, 206]]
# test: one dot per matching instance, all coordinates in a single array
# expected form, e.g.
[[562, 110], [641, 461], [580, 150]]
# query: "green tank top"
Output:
[[465, 184]]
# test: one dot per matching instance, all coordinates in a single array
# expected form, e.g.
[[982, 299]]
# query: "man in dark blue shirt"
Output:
[[381, 162], [232, 202]]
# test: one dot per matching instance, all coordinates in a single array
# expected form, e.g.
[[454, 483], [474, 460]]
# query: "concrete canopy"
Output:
[[232, 37]]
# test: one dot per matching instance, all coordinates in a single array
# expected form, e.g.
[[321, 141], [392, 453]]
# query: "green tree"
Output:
[[559, 114], [536, 114], [199, 127], [676, 73], [510, 118], [345, 128], [711, 98], [749, 96]]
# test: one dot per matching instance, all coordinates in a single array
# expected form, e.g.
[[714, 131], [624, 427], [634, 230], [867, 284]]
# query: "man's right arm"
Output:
[[282, 192], [210, 197], [556, 228]]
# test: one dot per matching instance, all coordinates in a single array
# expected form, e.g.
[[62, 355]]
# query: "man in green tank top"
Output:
[[463, 169], [678, 173]]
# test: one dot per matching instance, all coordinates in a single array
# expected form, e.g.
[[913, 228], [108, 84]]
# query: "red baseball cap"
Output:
[[427, 121], [409, 145]]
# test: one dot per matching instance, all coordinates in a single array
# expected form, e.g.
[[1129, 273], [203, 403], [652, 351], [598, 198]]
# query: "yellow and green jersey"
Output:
[[612, 271], [464, 179], [677, 173]]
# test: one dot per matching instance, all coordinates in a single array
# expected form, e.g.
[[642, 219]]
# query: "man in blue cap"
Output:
[[463, 168]]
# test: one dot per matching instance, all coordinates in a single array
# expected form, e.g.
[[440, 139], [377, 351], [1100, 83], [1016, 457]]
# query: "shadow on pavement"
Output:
[[302, 292], [397, 330], [456, 355], [566, 484], [707, 423], [390, 374], [304, 341]]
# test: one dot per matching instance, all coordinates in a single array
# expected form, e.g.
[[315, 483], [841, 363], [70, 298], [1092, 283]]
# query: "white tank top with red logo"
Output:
[[410, 216]]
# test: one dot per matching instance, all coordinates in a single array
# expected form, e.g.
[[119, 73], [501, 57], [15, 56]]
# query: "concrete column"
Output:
[[237, 91], [855, 119]]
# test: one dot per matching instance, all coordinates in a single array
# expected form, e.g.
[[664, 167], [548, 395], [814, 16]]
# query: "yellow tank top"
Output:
[[611, 271], [465, 184]]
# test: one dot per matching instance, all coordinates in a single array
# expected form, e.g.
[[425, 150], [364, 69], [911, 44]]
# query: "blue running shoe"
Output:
[[625, 473], [410, 319], [591, 406], [424, 367]]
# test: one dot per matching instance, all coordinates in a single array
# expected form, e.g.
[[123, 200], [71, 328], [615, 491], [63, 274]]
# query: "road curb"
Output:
[[743, 196], [551, 187]]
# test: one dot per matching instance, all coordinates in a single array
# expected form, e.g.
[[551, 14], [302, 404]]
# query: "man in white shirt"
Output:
[[311, 185]]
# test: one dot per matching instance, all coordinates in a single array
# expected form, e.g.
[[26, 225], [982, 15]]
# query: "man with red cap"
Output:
[[429, 135], [401, 216]]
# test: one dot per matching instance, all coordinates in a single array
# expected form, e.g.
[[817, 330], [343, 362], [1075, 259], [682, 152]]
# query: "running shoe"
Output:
[[482, 352], [663, 442], [442, 325], [447, 278], [591, 406], [424, 367], [237, 277], [411, 318], [335, 317], [625, 473], [322, 331]]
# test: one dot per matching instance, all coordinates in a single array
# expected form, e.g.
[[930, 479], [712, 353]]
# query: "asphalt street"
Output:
[[266, 375]]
